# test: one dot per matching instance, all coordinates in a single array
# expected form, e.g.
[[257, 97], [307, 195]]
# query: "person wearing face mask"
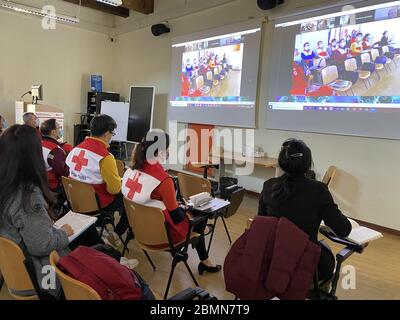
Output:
[[321, 51], [53, 154], [332, 48], [154, 187], [342, 52], [308, 55], [90, 162], [3, 124], [356, 47], [30, 119]]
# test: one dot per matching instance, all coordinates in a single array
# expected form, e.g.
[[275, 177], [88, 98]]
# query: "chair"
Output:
[[201, 86], [190, 185], [15, 274], [73, 289], [330, 77], [385, 49], [83, 199], [316, 292], [209, 81], [234, 194], [152, 234], [329, 175], [351, 65], [221, 72], [120, 167], [378, 66]]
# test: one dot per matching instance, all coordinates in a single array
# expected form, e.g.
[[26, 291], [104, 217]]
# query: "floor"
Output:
[[229, 86], [377, 269]]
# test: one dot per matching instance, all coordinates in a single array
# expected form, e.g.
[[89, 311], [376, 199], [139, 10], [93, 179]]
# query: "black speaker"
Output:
[[159, 29], [269, 4]]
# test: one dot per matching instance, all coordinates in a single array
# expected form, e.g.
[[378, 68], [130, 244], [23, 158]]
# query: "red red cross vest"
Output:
[[84, 165], [47, 147], [138, 185]]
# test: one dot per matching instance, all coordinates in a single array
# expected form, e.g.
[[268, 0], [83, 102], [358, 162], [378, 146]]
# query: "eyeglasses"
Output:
[[113, 133]]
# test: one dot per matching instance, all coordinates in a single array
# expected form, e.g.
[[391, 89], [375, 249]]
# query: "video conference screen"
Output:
[[338, 73], [214, 76]]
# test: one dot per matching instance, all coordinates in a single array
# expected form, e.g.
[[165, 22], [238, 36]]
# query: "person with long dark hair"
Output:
[[303, 201], [147, 183], [26, 200]]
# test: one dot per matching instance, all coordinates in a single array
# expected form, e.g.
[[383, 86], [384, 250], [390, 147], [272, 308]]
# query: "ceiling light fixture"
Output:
[[9, 5], [115, 3]]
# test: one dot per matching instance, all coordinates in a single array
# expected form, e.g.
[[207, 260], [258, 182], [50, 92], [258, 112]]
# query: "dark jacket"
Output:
[[307, 207], [274, 258]]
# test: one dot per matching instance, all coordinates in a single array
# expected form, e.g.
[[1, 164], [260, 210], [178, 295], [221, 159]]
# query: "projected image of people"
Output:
[[212, 71], [351, 60]]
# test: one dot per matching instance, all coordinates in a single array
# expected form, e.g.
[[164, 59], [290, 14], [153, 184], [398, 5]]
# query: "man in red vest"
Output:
[[91, 162], [53, 154]]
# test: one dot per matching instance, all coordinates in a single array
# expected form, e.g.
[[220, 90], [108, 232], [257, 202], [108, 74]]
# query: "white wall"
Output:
[[368, 184], [60, 59]]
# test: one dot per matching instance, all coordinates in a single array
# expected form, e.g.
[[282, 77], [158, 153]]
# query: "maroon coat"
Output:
[[274, 258]]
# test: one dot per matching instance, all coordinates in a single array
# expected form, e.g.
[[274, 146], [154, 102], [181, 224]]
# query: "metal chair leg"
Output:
[[170, 279], [149, 259], [212, 234], [191, 273], [227, 231]]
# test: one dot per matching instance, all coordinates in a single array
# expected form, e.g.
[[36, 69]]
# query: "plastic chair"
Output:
[[351, 65], [152, 234], [329, 175], [120, 167], [73, 289], [15, 274], [330, 77], [190, 185]]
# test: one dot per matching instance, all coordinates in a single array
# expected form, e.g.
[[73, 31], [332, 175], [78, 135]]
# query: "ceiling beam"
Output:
[[93, 4], [142, 6]]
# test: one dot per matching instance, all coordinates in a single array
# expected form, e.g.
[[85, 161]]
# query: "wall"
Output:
[[60, 59], [368, 183]]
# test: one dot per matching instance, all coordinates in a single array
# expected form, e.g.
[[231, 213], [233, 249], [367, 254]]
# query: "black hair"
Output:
[[320, 41], [295, 160], [366, 35], [48, 126], [157, 140], [21, 166], [101, 124], [307, 43], [359, 34]]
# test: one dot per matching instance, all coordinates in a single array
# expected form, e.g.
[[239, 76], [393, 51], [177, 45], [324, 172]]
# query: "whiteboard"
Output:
[[119, 111]]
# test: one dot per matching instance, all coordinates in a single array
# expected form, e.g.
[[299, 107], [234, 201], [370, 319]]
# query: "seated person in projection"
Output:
[[148, 184], [90, 162], [321, 50], [367, 42], [356, 47], [308, 55], [303, 201], [332, 48], [301, 84]]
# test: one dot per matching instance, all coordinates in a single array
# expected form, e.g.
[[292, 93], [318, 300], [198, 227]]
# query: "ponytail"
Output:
[[295, 160], [140, 155]]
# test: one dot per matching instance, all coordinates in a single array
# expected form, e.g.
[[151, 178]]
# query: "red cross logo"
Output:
[[80, 161], [134, 186]]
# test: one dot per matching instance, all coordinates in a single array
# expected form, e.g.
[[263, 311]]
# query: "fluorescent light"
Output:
[[115, 3], [237, 34], [9, 5], [339, 14]]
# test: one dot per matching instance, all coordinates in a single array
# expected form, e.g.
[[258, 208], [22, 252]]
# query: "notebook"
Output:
[[78, 222], [362, 235]]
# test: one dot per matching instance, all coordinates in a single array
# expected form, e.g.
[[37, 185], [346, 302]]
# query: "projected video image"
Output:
[[357, 60], [214, 72]]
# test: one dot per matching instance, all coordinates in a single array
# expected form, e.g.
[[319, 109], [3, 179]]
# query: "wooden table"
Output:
[[235, 158]]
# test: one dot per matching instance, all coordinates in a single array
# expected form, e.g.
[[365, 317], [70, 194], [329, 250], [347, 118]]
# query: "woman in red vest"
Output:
[[148, 184]]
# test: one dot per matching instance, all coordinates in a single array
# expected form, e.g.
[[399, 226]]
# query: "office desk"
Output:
[[235, 158]]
